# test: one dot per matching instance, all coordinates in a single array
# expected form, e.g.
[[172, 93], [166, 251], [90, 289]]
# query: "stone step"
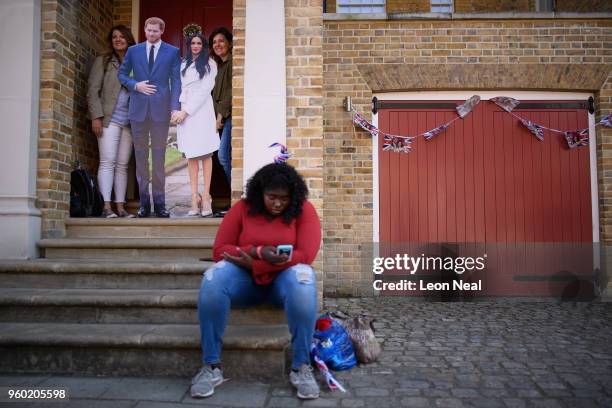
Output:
[[179, 249], [138, 349], [142, 227], [118, 306], [103, 274]]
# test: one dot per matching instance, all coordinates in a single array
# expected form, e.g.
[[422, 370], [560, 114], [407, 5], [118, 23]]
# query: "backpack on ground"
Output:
[[85, 197]]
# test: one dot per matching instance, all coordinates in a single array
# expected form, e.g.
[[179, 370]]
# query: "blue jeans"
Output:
[[225, 149], [225, 285]]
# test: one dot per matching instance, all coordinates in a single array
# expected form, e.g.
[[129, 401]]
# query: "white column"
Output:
[[20, 222], [264, 83]]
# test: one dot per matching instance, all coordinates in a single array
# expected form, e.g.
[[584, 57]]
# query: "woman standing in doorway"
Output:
[[221, 46], [196, 133], [108, 102]]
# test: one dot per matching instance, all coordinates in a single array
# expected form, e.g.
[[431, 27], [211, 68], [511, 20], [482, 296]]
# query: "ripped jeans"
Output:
[[226, 285]]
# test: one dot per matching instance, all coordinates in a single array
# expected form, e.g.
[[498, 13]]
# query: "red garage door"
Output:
[[487, 179]]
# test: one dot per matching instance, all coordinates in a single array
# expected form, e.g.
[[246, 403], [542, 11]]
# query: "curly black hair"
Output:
[[273, 176]]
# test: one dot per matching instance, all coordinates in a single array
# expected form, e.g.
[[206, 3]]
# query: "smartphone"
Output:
[[285, 249]]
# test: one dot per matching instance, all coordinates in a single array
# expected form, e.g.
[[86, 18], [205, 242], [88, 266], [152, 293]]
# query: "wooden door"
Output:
[[488, 180]]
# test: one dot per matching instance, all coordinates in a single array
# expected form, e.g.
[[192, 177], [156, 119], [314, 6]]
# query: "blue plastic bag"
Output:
[[334, 347]]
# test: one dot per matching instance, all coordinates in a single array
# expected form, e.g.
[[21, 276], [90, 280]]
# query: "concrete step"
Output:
[[138, 349], [142, 227], [103, 274], [118, 306], [179, 249]]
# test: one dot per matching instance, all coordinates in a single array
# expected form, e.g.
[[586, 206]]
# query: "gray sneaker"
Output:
[[305, 383], [205, 381]]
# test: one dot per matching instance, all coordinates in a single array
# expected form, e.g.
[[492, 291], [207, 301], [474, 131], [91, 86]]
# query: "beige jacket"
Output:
[[103, 89]]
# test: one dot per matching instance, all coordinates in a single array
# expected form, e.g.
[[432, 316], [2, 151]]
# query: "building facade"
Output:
[[295, 63]]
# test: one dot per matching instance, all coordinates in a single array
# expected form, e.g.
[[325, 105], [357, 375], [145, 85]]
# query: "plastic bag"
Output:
[[361, 333], [333, 345]]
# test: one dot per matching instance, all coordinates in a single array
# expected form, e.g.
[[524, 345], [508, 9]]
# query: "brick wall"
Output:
[[66, 55], [583, 6], [239, 23], [408, 6], [488, 6], [122, 12], [351, 45]]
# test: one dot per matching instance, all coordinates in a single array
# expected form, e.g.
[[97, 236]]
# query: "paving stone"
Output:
[[281, 402], [81, 387], [371, 392], [88, 403], [416, 402], [545, 403], [147, 389], [321, 402], [352, 403], [235, 393], [449, 403], [515, 403]]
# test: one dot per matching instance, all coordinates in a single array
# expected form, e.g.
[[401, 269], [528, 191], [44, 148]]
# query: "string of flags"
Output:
[[403, 144]]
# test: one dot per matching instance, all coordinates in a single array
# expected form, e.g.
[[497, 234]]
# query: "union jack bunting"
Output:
[[534, 128], [467, 106], [577, 138], [431, 133], [606, 121], [365, 125], [397, 144], [505, 102]]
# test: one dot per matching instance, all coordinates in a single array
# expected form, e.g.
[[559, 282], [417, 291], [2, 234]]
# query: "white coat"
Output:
[[197, 135]]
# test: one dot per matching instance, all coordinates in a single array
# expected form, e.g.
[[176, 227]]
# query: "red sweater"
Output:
[[239, 229]]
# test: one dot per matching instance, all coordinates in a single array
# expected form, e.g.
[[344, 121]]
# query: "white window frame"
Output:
[[349, 6], [437, 5]]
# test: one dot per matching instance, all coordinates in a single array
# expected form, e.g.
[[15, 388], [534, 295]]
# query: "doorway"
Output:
[[209, 14]]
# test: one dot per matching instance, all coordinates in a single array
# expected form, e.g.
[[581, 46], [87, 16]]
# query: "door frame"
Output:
[[463, 95]]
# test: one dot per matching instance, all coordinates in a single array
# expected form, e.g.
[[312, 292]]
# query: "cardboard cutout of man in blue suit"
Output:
[[151, 71]]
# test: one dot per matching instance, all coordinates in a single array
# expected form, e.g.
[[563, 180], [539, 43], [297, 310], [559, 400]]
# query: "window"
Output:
[[360, 6], [545, 5], [441, 6]]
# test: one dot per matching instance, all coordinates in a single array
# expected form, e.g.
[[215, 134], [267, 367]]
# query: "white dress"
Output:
[[197, 135]]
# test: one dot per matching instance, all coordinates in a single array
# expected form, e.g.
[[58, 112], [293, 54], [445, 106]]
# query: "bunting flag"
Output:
[[403, 144], [332, 383], [467, 106], [607, 121], [577, 138], [397, 144], [534, 128], [365, 125], [505, 102], [284, 153], [431, 133]]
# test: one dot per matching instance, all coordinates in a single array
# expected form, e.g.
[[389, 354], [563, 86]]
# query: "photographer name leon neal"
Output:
[[427, 286]]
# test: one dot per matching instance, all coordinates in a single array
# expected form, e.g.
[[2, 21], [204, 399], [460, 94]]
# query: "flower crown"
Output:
[[192, 29]]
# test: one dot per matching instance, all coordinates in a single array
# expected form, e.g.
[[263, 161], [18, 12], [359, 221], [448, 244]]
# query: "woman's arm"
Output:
[[94, 86], [229, 233]]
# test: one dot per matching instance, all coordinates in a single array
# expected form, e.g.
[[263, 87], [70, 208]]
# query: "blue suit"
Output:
[[150, 114]]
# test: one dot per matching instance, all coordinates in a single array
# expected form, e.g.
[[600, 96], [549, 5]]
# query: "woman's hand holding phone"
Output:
[[269, 254]]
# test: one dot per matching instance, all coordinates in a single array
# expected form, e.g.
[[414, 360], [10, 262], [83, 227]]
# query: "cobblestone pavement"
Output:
[[502, 353]]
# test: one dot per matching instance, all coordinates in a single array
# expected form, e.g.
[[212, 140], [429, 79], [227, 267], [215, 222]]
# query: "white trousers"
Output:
[[115, 150]]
